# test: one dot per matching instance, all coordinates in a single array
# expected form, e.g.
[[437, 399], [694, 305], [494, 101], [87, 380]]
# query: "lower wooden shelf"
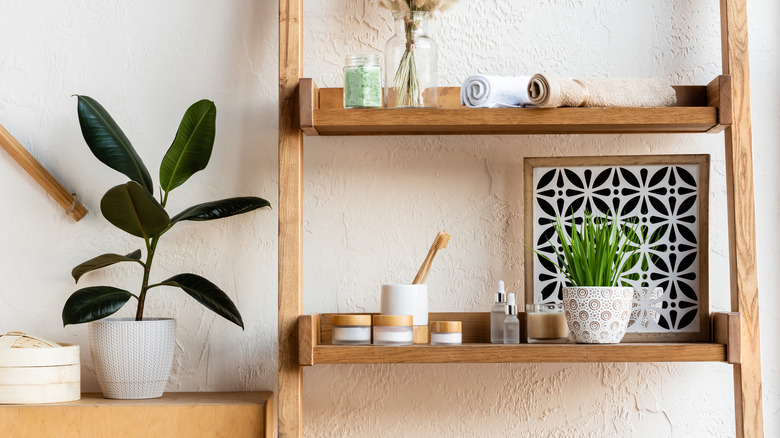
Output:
[[185, 414], [314, 337], [522, 353]]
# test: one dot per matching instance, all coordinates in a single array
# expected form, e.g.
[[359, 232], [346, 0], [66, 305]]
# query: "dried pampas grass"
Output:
[[389, 5], [406, 83], [416, 5]]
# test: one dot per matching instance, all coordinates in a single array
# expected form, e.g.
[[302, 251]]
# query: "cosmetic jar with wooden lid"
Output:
[[393, 330], [351, 330], [446, 333]]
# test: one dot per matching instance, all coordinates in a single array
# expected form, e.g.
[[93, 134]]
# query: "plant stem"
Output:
[[150, 249], [164, 198], [139, 315]]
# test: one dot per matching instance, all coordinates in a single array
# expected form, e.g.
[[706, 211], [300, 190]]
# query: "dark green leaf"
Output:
[[191, 149], [208, 294], [102, 261], [132, 209], [220, 209], [109, 144], [92, 303]]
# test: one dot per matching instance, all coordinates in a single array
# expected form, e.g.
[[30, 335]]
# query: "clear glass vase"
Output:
[[411, 59]]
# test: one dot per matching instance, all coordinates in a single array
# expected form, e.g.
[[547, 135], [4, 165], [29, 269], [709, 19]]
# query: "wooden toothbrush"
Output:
[[441, 241]]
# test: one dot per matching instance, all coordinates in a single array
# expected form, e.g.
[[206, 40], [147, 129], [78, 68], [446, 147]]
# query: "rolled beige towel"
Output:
[[548, 90]]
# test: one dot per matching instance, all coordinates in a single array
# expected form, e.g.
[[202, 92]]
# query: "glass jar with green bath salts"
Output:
[[363, 82]]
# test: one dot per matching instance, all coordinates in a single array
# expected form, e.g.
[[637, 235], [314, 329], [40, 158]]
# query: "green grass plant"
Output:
[[596, 253]]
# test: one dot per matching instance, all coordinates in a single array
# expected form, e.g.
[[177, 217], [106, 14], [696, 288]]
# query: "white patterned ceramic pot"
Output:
[[597, 315], [132, 359]]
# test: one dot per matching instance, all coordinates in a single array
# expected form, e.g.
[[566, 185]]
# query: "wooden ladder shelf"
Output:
[[722, 105]]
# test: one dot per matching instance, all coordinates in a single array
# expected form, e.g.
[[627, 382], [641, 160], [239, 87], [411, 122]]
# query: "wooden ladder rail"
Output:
[[740, 196], [290, 396], [741, 213]]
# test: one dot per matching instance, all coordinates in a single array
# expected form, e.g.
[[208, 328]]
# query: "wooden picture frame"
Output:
[[613, 175]]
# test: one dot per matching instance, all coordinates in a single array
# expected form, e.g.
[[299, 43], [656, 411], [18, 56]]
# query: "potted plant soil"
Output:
[[133, 356], [595, 256]]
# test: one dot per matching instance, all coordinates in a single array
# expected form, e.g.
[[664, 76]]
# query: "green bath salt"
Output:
[[363, 82]]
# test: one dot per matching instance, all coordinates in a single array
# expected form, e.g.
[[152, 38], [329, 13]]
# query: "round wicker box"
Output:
[[34, 370]]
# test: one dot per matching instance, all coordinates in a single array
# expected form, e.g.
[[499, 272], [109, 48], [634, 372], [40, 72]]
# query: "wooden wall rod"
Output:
[[67, 200]]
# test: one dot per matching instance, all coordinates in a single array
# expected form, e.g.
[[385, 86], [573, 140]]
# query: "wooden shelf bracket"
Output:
[[67, 200]]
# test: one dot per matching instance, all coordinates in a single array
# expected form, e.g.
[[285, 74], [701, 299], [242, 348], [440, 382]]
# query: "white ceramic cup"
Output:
[[406, 299]]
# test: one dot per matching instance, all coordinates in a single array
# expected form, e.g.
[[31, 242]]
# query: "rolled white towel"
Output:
[[483, 91]]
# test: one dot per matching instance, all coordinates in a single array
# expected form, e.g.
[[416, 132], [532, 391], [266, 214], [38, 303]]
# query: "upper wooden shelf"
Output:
[[700, 108], [314, 343]]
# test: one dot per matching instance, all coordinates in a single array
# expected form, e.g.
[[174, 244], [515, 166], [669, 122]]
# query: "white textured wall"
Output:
[[146, 62], [372, 204]]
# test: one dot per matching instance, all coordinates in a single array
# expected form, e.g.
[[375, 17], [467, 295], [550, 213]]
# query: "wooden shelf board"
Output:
[[475, 121], [234, 414], [172, 399], [700, 109], [522, 353]]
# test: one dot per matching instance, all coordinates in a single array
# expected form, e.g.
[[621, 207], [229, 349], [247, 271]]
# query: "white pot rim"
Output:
[[600, 287], [130, 320]]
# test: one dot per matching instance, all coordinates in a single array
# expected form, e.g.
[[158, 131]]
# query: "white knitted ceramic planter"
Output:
[[132, 359], [597, 315]]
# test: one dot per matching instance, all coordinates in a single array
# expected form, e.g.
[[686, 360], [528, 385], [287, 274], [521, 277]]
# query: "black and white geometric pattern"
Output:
[[664, 199]]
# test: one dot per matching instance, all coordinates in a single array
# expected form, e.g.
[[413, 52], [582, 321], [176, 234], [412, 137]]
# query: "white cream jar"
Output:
[[446, 333], [351, 330], [393, 330]]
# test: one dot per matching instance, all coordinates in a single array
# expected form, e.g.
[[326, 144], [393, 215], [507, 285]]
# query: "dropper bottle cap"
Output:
[[501, 294], [511, 306]]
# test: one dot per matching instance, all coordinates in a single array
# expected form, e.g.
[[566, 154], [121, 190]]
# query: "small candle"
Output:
[[546, 323]]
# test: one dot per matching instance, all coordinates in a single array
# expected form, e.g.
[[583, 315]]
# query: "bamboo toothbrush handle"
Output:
[[427, 268], [440, 242], [422, 273]]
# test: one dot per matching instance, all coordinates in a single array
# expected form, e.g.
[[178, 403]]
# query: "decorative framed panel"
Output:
[[667, 196]]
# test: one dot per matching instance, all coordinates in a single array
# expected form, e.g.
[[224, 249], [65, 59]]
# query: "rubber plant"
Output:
[[132, 208]]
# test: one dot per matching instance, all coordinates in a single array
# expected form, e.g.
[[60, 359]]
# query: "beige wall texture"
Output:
[[372, 204]]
